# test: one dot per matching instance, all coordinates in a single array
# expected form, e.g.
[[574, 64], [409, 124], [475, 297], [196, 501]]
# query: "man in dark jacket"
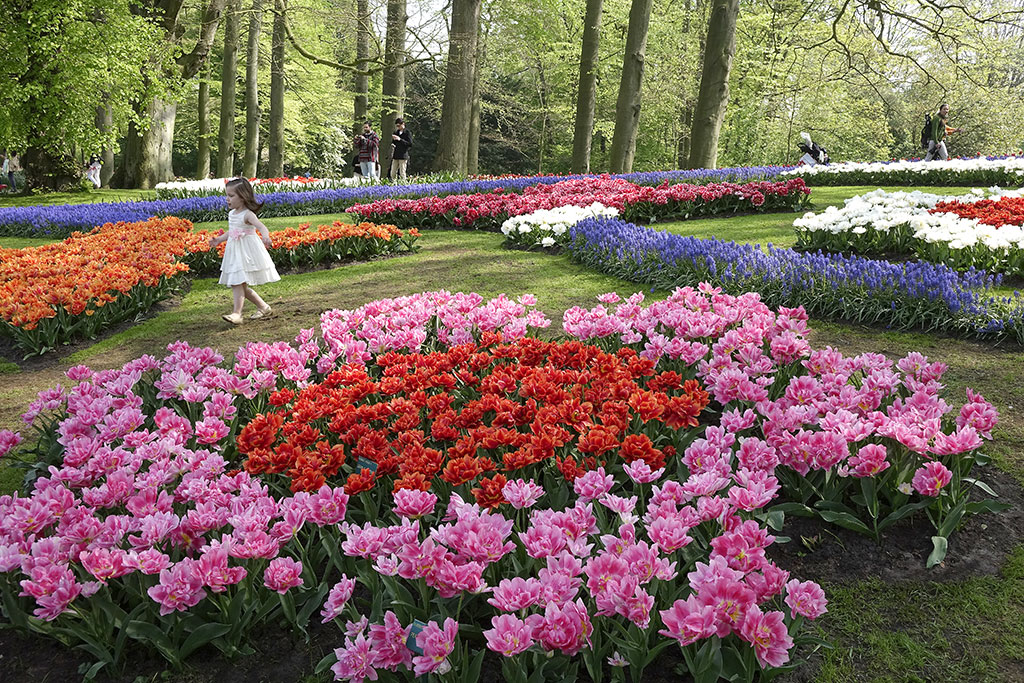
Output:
[[368, 145], [401, 141]]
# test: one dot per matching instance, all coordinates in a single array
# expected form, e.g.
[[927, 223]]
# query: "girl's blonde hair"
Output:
[[244, 190]]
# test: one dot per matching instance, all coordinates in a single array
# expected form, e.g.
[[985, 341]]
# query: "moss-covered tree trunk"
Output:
[[252, 93], [393, 82], [228, 76], [203, 151], [456, 109], [713, 95], [275, 164], [586, 94], [627, 106]]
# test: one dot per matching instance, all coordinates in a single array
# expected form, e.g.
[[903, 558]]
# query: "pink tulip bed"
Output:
[[640, 203], [456, 496]]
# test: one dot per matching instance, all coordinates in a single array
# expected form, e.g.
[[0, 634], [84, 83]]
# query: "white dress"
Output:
[[246, 260]]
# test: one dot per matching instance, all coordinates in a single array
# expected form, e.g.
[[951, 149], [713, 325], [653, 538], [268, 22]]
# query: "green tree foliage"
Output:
[[61, 60]]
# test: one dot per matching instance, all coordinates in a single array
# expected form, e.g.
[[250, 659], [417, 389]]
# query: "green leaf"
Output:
[[939, 544], [952, 520], [902, 512], [146, 632], [845, 520], [981, 485], [201, 636], [987, 506], [326, 663]]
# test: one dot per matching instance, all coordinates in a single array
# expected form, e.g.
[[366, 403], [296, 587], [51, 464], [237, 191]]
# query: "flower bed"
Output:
[[650, 532], [664, 202], [52, 294], [62, 220], [980, 171], [549, 228], [215, 186], [902, 295], [966, 232]]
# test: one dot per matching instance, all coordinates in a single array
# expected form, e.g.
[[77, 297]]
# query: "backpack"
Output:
[[926, 132]]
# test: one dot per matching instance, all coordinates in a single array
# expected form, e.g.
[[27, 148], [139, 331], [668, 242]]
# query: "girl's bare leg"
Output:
[[238, 295], [255, 298]]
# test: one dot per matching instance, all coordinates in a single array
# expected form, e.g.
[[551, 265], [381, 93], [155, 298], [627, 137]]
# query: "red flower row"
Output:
[[469, 209], [474, 409], [998, 212]]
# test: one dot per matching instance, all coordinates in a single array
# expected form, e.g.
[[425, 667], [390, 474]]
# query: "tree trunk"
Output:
[[586, 97], [393, 83], [362, 78], [252, 93], [105, 121], [275, 166], [456, 109], [713, 95], [154, 147], [683, 146], [203, 152], [157, 140], [627, 106], [228, 75], [473, 148]]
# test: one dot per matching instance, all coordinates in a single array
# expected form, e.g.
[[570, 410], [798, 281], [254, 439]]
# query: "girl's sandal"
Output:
[[262, 313], [234, 318]]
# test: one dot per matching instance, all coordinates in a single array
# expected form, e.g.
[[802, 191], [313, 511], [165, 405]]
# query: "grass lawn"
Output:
[[84, 197], [970, 629]]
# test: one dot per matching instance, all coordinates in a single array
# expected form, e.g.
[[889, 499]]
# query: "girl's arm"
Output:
[[252, 220], [214, 241]]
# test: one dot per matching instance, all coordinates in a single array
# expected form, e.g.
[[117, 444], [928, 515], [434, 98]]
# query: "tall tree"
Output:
[[393, 81], [105, 122], [456, 109], [586, 95], [228, 76], [203, 151], [148, 155], [713, 96], [362, 74], [275, 166], [473, 146], [55, 80], [252, 92], [627, 106]]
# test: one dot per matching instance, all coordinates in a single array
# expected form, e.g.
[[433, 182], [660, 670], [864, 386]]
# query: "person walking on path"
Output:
[[401, 140], [368, 145], [937, 140], [246, 262]]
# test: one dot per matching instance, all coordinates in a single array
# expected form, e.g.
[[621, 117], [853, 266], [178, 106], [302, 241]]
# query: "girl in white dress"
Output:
[[246, 261]]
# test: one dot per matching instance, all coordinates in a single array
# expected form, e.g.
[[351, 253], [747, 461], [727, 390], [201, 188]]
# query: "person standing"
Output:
[[8, 171], [401, 141], [368, 145], [93, 170], [937, 139]]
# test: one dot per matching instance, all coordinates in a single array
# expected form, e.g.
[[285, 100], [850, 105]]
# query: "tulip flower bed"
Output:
[[52, 294], [902, 295], [215, 186], [965, 232], [550, 505], [981, 171], [663, 202], [548, 228], [62, 220]]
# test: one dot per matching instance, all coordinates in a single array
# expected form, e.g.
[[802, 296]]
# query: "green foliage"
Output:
[[64, 59]]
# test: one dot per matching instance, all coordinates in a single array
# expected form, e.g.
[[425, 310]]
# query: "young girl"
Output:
[[246, 260]]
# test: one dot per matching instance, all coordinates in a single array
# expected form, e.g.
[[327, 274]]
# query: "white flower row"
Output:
[[1011, 167], [884, 222], [211, 186], [883, 211], [548, 227]]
